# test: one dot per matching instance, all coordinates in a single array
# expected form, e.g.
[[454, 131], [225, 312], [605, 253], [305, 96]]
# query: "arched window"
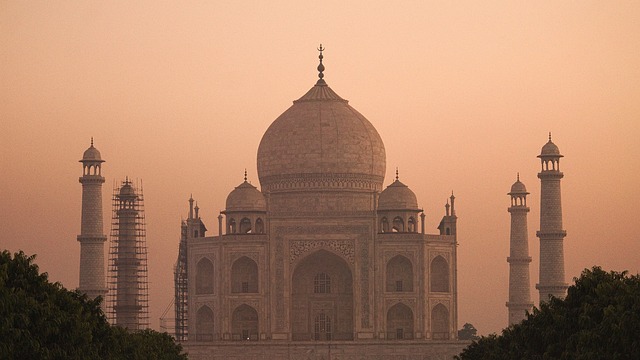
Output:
[[204, 277], [448, 231], [322, 327], [440, 322], [259, 226], [232, 226], [384, 225], [412, 225], [204, 324], [244, 276], [400, 322], [244, 323], [322, 284], [398, 224], [399, 274], [439, 275], [245, 226]]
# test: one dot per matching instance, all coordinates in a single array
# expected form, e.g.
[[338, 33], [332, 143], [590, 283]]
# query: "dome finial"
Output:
[[245, 175], [549, 135], [321, 68], [397, 177], [518, 176], [92, 141]]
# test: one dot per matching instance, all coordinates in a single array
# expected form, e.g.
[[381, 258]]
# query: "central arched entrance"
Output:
[[322, 298]]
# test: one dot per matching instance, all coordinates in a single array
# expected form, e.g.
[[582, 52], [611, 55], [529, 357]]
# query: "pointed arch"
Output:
[[384, 225], [439, 275], [398, 224], [204, 324], [244, 276], [399, 274], [412, 226], [244, 323], [335, 301], [245, 226], [400, 322], [204, 277], [440, 322], [259, 226]]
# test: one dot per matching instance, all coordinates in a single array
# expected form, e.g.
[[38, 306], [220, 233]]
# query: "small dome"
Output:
[[518, 188], [127, 189], [92, 154], [397, 196], [246, 197], [550, 149]]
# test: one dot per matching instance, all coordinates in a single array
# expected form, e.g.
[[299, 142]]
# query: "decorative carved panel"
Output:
[[298, 248]]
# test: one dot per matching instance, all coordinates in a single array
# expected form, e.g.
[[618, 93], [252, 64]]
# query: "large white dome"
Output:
[[321, 141]]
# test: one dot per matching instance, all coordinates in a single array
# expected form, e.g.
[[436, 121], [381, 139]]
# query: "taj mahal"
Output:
[[323, 261]]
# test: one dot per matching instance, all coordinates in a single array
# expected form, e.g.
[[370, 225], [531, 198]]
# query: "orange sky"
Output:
[[463, 95]]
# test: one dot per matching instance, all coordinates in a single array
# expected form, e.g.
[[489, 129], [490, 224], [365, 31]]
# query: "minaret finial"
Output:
[[549, 135], [518, 176], [92, 141], [321, 68], [245, 175], [397, 177]]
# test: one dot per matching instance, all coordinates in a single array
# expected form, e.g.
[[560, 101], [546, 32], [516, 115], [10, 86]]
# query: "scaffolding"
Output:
[[167, 321], [128, 296], [181, 286]]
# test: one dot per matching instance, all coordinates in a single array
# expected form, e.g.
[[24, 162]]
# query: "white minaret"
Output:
[[92, 238], [551, 233], [519, 294]]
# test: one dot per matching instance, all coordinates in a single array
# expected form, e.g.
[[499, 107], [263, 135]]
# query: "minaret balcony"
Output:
[[550, 174], [552, 235], [522, 260], [91, 179], [92, 239]]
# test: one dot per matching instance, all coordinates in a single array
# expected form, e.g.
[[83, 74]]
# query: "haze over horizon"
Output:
[[463, 95]]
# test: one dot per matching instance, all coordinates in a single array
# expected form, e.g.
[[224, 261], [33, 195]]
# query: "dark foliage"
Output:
[[43, 320], [598, 319], [468, 332]]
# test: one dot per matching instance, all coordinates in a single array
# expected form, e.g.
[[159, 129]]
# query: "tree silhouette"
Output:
[[598, 319], [43, 320]]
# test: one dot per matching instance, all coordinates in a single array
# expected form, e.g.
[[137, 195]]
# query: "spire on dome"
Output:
[[549, 135], [92, 141], [518, 176], [397, 177], [320, 81], [245, 175]]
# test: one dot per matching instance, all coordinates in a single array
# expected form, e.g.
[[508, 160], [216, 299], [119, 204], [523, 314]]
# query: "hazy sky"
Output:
[[179, 94]]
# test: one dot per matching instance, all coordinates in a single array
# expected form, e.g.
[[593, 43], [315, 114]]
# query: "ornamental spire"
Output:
[[320, 68]]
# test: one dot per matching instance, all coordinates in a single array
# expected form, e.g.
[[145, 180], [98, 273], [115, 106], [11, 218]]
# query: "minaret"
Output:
[[519, 294], [551, 233], [92, 238], [128, 290]]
